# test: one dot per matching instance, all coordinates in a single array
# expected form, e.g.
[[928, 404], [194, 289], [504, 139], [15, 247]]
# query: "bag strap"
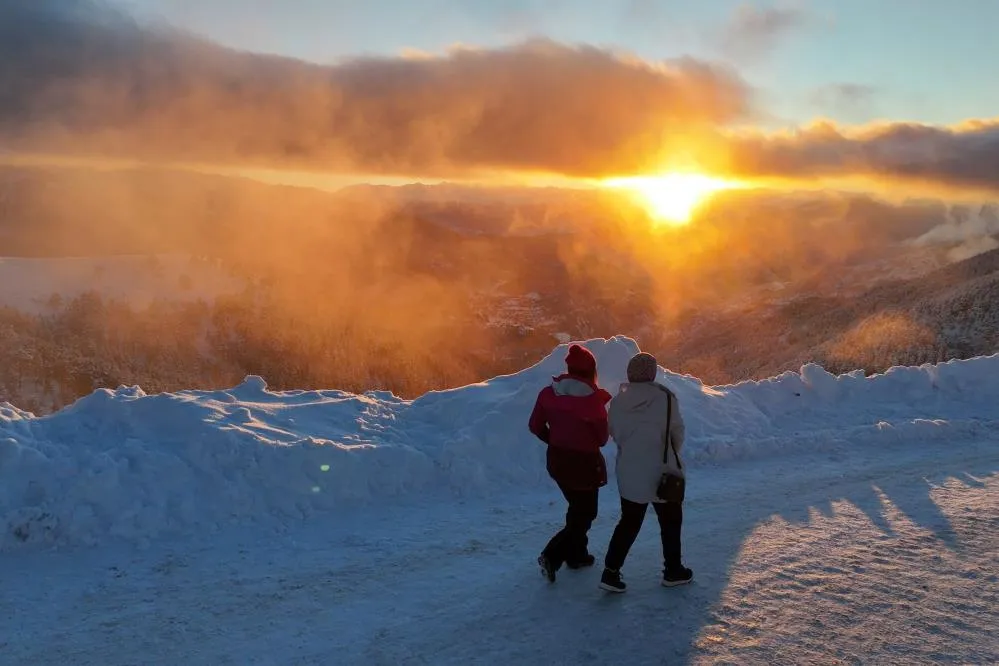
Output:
[[669, 440]]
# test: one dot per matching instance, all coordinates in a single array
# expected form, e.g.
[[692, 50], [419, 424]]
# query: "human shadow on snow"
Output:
[[574, 622]]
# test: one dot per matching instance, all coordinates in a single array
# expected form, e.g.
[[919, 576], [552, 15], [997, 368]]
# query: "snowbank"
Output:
[[121, 464]]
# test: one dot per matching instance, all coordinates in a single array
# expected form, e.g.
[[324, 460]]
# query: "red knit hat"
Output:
[[581, 362]]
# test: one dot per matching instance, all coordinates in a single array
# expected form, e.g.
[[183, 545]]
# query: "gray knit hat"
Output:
[[642, 368]]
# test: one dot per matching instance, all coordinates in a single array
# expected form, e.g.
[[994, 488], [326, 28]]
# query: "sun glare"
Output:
[[672, 198]]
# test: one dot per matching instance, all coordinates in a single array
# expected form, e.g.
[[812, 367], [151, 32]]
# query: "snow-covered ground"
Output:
[[29, 284], [828, 520]]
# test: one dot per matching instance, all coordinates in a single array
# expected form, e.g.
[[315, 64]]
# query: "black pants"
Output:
[[570, 543], [670, 517]]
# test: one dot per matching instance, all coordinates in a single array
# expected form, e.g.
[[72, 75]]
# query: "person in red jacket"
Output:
[[570, 416]]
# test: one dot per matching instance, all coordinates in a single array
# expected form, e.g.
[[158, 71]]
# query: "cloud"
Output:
[[968, 231], [973, 248], [754, 32], [75, 77], [79, 79], [843, 96], [964, 156]]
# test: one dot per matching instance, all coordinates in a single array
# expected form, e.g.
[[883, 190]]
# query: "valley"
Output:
[[359, 288]]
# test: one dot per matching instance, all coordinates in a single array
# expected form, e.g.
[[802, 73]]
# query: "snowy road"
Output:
[[848, 556]]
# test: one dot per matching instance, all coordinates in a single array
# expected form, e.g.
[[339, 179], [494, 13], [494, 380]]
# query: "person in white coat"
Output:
[[643, 423]]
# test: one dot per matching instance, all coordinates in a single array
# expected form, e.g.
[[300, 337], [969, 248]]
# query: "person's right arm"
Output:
[[677, 429], [599, 418], [601, 428]]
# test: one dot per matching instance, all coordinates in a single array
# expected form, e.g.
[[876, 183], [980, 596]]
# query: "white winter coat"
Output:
[[637, 419]]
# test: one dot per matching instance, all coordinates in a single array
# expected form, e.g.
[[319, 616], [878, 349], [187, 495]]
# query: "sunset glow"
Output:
[[672, 198]]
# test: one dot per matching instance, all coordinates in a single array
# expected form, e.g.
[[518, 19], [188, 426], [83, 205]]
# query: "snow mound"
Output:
[[126, 465]]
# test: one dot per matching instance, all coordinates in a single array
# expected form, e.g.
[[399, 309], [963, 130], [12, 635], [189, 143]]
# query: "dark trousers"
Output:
[[570, 543], [670, 515]]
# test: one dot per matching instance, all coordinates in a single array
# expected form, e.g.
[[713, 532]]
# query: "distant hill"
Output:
[[950, 312]]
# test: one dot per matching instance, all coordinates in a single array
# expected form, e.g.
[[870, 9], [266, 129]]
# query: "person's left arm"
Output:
[[538, 423]]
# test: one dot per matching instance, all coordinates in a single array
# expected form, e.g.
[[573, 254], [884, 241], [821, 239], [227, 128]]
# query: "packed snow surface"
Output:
[[829, 519]]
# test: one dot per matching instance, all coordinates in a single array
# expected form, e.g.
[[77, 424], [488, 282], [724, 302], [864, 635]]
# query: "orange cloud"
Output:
[[77, 79], [964, 156], [86, 83]]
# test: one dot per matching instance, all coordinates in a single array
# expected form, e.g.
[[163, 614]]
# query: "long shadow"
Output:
[[573, 622], [911, 492]]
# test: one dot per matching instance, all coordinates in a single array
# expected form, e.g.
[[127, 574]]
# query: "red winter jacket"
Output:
[[570, 416]]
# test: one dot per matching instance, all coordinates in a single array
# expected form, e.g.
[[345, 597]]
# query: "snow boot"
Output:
[[586, 561], [678, 576], [547, 568], [611, 581]]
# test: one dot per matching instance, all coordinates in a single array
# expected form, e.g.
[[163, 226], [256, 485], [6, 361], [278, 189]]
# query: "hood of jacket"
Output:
[[575, 387], [640, 397]]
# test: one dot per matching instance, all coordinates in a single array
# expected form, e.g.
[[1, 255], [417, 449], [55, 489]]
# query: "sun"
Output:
[[672, 198]]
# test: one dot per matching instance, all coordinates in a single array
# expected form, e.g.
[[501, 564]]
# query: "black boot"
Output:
[[547, 568], [678, 575], [611, 581], [585, 561]]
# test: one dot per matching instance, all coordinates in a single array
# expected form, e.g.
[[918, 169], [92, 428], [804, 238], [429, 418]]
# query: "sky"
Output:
[[868, 93], [853, 61]]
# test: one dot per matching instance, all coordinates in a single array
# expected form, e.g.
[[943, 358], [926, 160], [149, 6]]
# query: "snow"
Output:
[[124, 465], [28, 284], [828, 518]]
